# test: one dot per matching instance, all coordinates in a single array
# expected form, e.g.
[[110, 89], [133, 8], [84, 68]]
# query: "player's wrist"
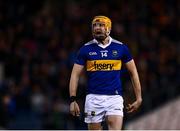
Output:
[[139, 100], [73, 99]]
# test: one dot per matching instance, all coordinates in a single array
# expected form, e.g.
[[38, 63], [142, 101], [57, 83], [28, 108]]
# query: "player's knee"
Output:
[[94, 126], [114, 123], [114, 126]]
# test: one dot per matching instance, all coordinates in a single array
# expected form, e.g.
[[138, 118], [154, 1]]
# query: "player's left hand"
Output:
[[134, 106]]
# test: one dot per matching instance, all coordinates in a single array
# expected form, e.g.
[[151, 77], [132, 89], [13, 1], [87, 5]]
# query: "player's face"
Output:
[[99, 31]]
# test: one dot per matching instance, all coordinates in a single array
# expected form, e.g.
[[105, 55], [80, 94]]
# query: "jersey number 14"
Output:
[[104, 54]]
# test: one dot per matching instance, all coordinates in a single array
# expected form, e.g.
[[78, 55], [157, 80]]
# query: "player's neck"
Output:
[[105, 41]]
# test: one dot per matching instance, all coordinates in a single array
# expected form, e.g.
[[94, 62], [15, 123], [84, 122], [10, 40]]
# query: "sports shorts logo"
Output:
[[93, 113]]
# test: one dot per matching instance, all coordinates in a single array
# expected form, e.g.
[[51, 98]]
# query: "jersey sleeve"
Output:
[[126, 54], [81, 57]]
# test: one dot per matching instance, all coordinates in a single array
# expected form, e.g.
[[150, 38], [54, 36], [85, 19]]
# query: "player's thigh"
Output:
[[114, 122], [94, 110], [94, 126]]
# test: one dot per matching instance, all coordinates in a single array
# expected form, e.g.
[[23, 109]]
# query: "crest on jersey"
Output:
[[114, 53]]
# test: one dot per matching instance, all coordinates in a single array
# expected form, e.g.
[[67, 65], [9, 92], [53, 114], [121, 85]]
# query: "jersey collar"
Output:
[[101, 45]]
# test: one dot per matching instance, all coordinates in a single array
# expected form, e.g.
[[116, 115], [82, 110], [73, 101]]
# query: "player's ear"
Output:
[[108, 31]]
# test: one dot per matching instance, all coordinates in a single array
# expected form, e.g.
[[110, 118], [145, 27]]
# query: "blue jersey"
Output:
[[103, 64]]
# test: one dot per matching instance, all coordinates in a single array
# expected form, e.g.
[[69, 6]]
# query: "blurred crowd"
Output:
[[38, 45]]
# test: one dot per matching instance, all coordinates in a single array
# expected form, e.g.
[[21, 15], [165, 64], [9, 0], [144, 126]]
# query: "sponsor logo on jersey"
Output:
[[103, 65]]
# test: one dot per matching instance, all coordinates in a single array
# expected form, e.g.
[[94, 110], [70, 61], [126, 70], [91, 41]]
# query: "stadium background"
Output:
[[38, 42]]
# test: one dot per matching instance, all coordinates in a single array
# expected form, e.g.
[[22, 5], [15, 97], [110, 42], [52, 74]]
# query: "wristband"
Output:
[[73, 98]]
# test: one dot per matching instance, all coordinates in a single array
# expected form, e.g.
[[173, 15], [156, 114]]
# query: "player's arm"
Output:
[[76, 71], [131, 67]]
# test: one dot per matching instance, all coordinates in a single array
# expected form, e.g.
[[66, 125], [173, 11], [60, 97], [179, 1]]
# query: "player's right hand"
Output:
[[134, 106], [74, 109]]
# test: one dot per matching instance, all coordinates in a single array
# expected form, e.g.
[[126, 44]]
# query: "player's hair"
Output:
[[104, 19]]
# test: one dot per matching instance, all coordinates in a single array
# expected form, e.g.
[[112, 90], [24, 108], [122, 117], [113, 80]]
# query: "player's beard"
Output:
[[99, 36]]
